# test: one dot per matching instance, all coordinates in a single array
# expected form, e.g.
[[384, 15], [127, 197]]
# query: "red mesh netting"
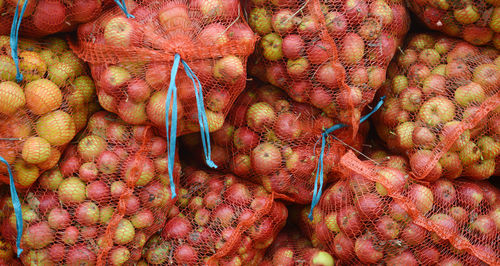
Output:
[[272, 140], [218, 220], [131, 59], [474, 21], [332, 54], [299, 213], [292, 248], [44, 112], [109, 194], [44, 17], [442, 108], [376, 214]]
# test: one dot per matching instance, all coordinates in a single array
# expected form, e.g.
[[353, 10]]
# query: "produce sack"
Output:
[[303, 216], [292, 248], [442, 108], [272, 140], [474, 21], [109, 194], [38, 18], [177, 65], [378, 214], [331, 54], [41, 114], [217, 220]]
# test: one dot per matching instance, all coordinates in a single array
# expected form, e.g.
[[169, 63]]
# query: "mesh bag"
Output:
[[474, 21], [332, 54], [272, 140], [109, 194], [131, 59], [218, 220], [44, 17], [292, 248], [300, 214], [43, 113], [376, 214], [442, 108]]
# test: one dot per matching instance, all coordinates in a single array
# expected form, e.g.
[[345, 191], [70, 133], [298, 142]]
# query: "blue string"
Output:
[[319, 169], [17, 207], [202, 116], [379, 104], [171, 104], [123, 7], [14, 37]]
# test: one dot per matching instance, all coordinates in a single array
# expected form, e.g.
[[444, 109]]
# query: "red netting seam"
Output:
[[240, 228], [470, 122], [98, 53], [111, 228]]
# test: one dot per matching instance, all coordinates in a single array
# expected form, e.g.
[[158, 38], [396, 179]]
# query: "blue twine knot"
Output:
[[14, 38], [319, 169], [17, 207], [121, 4], [171, 103]]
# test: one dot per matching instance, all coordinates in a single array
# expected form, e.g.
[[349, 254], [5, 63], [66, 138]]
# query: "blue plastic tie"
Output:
[[121, 4], [202, 116], [14, 37], [17, 207], [319, 169], [171, 104]]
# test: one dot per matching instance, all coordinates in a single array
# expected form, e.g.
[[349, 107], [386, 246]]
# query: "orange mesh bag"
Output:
[[332, 54], [442, 108], [474, 21], [109, 194], [177, 65], [291, 248], [376, 214], [300, 214], [41, 113], [272, 140], [45, 17], [218, 220], [44, 112]]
